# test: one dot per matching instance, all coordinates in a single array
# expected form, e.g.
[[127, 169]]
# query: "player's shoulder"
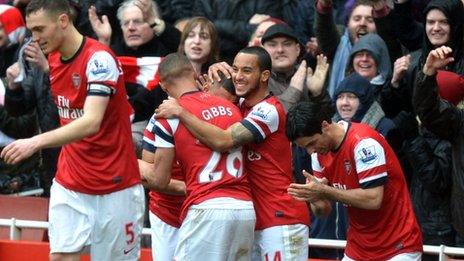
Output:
[[265, 110]]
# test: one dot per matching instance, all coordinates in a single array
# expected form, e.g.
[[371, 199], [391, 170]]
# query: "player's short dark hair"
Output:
[[264, 59], [174, 65], [226, 83], [53, 7], [305, 119]]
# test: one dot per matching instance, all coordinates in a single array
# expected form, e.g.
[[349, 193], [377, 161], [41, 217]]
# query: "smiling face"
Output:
[[197, 45], [135, 30], [246, 74], [46, 30], [284, 53], [347, 104], [365, 65], [437, 28], [361, 22]]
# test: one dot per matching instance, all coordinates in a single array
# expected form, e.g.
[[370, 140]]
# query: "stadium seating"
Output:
[[29, 208]]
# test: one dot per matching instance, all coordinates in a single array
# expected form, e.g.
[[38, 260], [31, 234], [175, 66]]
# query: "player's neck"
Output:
[[338, 134], [71, 44], [256, 96], [183, 86]]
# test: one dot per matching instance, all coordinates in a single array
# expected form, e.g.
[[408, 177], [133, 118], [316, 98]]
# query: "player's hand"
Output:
[[225, 68], [298, 79], [34, 55], [437, 59], [399, 69], [19, 150], [102, 28], [315, 81], [204, 83], [169, 109], [11, 73], [309, 192]]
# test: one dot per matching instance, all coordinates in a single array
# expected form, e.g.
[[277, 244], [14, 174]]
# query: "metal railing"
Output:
[[16, 225]]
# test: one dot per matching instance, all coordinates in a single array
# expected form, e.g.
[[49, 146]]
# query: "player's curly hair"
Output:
[[305, 119]]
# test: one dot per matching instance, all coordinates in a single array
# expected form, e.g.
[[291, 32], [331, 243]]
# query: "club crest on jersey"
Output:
[[347, 167], [261, 112], [253, 155], [368, 154], [76, 80], [98, 67]]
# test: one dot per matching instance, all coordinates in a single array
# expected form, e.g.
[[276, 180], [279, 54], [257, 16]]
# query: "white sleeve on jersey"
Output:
[[370, 162], [262, 120], [102, 74], [318, 170], [164, 132], [148, 141]]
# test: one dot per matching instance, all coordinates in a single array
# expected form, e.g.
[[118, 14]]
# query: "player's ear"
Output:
[[325, 126], [64, 20], [265, 75]]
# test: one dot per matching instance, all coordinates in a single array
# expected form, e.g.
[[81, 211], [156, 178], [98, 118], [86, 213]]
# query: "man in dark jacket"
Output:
[[33, 94], [446, 121]]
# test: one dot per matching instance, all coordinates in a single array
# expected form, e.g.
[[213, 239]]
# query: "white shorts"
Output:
[[163, 239], [415, 256], [287, 242], [212, 232], [111, 224]]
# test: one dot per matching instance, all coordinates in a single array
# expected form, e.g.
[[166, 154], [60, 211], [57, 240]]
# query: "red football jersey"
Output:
[[208, 174], [269, 165], [104, 162], [365, 160], [165, 207]]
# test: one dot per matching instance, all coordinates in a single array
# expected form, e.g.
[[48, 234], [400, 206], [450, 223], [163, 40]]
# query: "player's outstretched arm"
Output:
[[87, 125], [212, 136], [370, 198]]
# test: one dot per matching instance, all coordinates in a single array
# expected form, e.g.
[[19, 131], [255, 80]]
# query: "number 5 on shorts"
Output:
[[130, 233]]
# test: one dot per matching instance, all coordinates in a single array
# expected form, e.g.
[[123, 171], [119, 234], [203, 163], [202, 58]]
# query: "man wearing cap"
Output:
[[286, 82]]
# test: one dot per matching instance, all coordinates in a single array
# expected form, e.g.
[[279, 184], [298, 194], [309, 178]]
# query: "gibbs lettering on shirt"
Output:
[[216, 111]]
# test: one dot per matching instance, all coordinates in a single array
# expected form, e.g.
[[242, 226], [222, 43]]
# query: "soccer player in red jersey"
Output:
[[164, 207], [217, 217], [353, 164], [96, 197], [282, 222]]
